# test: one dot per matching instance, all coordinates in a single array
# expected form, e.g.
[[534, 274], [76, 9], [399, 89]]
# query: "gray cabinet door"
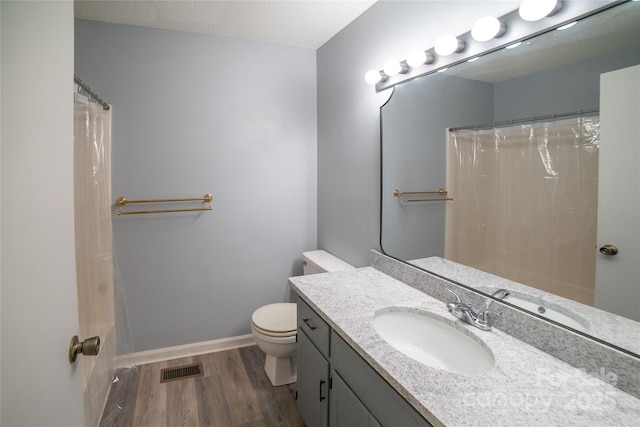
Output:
[[372, 390], [313, 386], [346, 410]]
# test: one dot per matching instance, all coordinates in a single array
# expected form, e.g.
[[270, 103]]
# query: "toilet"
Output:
[[274, 326]]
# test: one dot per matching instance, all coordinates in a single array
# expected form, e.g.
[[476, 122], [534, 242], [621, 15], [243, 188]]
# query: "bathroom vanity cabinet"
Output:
[[337, 388], [349, 376]]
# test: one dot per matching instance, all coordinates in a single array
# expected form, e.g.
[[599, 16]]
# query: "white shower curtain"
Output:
[[94, 259], [525, 203]]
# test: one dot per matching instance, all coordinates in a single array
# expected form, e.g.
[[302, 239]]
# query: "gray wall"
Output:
[[560, 90], [414, 153], [194, 114], [348, 111]]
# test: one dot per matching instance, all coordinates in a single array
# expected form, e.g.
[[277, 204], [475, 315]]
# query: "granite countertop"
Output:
[[525, 387], [607, 326]]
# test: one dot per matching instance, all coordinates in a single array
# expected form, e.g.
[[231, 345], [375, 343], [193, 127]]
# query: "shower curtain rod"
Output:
[[93, 95], [530, 119]]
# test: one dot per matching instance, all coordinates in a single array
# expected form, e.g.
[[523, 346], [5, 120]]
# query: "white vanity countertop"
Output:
[[525, 387]]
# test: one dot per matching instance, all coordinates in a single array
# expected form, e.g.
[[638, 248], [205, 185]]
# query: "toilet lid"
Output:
[[279, 317]]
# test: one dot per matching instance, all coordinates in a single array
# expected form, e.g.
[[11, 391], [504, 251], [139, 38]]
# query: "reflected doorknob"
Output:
[[88, 347], [609, 250]]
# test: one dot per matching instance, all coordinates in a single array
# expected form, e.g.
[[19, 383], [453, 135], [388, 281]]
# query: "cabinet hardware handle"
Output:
[[306, 321], [321, 396]]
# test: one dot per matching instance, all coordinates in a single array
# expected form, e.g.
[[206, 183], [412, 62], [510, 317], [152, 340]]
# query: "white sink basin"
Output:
[[432, 340], [547, 310]]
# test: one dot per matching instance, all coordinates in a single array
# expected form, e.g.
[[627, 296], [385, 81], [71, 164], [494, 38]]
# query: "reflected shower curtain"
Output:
[[525, 203]]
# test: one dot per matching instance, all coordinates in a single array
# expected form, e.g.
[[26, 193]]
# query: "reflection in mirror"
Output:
[[518, 141]]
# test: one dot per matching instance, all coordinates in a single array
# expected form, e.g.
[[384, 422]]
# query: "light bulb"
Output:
[[418, 57], [487, 28], [373, 76], [448, 44], [393, 67], [535, 10]]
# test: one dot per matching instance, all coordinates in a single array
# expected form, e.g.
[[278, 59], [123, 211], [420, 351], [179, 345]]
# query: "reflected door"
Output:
[[618, 276]]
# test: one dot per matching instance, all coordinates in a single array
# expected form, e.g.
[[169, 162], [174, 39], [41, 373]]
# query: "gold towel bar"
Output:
[[440, 192], [122, 202]]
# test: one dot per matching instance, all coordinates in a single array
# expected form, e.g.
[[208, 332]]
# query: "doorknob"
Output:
[[609, 250], [88, 347]]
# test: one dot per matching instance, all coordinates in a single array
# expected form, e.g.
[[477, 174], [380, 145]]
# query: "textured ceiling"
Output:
[[301, 23]]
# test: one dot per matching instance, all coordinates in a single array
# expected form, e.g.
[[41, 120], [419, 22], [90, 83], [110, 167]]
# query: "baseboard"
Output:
[[187, 350]]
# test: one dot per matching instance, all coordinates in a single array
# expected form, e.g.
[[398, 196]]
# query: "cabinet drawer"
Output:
[[313, 325]]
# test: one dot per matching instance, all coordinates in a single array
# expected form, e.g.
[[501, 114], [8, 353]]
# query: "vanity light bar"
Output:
[[510, 29]]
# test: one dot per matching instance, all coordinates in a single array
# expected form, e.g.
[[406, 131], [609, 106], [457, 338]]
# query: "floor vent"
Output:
[[181, 372]]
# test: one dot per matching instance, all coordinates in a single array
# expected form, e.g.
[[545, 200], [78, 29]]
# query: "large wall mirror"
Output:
[[502, 165]]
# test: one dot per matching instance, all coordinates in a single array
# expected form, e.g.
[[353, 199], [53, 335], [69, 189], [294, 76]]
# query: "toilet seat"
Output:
[[276, 320], [271, 333], [274, 339]]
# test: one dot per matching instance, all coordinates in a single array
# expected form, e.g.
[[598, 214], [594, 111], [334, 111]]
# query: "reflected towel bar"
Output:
[[440, 192], [122, 202]]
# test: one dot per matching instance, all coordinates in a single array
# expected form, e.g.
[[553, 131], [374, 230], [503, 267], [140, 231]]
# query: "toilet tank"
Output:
[[322, 262]]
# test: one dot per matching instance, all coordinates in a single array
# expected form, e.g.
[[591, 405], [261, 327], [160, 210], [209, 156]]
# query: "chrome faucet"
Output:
[[466, 313]]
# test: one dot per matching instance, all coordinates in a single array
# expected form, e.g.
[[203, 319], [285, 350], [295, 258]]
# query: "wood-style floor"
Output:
[[234, 391]]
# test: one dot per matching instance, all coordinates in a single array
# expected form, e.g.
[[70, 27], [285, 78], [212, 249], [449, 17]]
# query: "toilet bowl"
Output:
[[274, 326]]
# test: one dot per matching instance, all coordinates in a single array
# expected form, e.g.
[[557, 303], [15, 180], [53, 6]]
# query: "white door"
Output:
[[618, 276], [39, 304]]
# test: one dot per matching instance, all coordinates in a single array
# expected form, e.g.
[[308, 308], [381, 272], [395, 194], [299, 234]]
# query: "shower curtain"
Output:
[[101, 304], [525, 203]]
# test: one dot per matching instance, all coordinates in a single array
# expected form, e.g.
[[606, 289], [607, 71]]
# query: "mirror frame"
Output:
[[521, 33]]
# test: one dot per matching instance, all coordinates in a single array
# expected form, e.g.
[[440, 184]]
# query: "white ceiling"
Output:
[[300, 23]]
